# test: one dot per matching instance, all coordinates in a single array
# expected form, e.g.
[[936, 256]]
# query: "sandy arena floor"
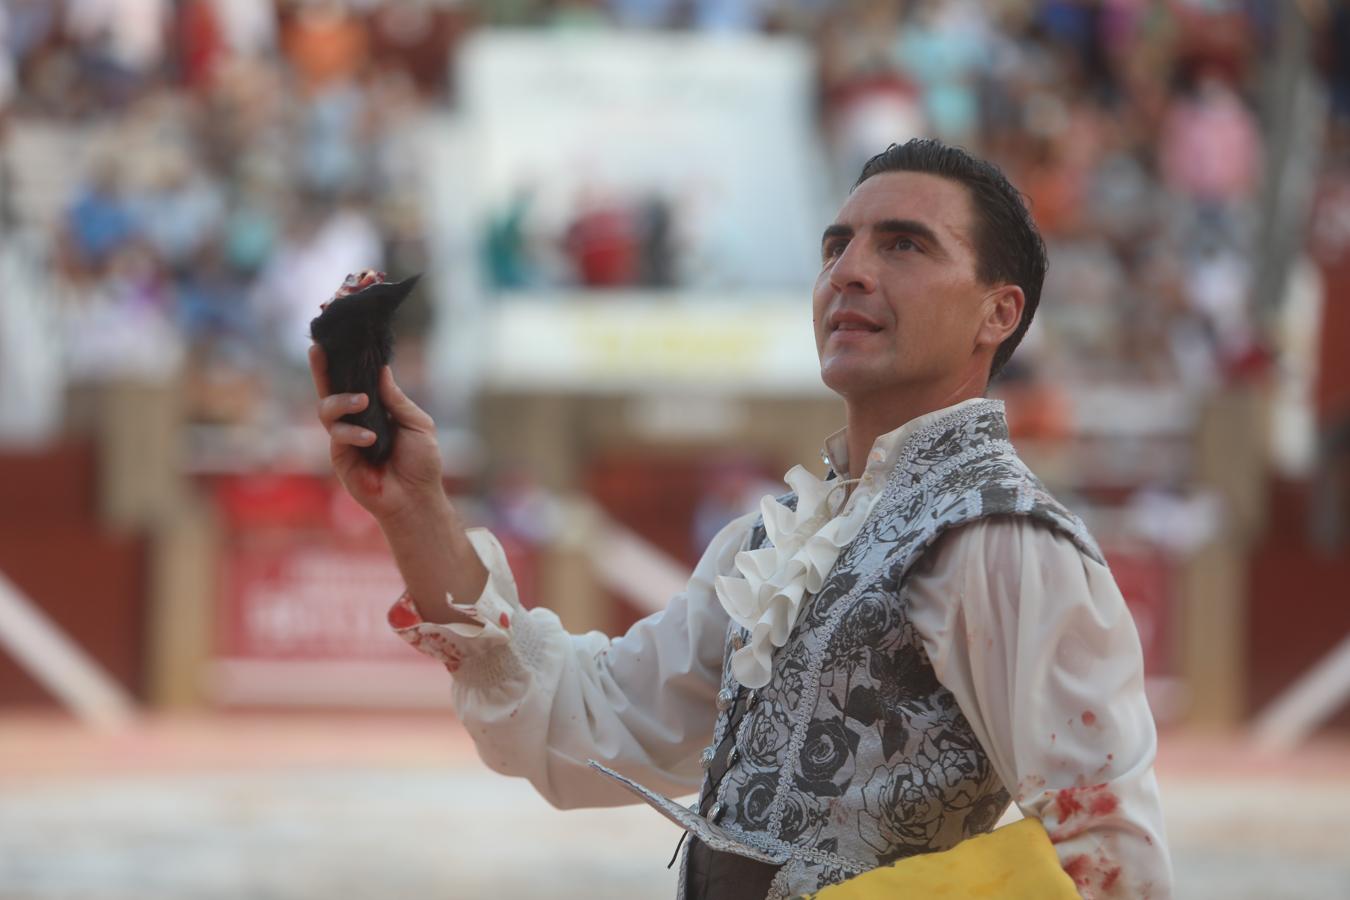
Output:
[[347, 807]]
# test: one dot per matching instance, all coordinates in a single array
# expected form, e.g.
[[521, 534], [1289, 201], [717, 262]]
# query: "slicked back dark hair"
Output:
[[1008, 247]]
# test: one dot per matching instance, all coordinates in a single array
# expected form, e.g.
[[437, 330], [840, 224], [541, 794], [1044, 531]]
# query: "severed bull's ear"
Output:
[[356, 334], [370, 304]]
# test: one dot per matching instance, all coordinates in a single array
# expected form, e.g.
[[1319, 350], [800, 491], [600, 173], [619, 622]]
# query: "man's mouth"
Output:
[[852, 322]]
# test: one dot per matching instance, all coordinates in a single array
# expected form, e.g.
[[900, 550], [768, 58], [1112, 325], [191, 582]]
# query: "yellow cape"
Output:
[[1015, 862]]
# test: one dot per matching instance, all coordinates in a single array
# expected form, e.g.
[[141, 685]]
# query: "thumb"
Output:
[[405, 412]]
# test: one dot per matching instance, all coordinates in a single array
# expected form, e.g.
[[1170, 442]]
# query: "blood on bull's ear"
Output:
[[356, 334]]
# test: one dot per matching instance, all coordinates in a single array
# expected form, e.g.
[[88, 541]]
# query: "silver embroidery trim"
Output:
[[737, 741], [778, 888], [895, 494]]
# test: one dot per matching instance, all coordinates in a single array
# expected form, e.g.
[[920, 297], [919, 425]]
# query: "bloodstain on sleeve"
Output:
[[1094, 875], [1076, 867], [504, 620], [405, 620], [1078, 810], [1089, 718], [403, 614], [1029, 786], [1092, 802], [1111, 876], [438, 647]]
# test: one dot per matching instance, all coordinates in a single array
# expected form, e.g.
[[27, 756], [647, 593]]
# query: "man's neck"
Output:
[[868, 418]]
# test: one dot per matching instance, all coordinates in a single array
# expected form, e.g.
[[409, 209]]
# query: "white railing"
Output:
[[1296, 713], [59, 664]]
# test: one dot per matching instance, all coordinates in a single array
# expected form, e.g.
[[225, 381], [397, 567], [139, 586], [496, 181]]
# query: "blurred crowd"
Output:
[[233, 155]]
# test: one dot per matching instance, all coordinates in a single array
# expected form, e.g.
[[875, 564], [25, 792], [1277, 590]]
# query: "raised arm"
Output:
[[537, 701], [405, 494]]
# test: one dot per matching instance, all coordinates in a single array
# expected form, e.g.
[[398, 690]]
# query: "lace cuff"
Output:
[[494, 614]]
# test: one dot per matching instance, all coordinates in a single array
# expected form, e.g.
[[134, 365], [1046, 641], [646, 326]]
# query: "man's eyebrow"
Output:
[[908, 226], [886, 226], [836, 231]]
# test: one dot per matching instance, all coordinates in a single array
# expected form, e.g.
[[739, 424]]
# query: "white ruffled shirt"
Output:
[[1031, 637]]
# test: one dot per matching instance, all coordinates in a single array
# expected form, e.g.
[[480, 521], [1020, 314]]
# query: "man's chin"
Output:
[[849, 380]]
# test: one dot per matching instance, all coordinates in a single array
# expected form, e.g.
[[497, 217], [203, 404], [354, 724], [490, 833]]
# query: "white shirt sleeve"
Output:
[[1035, 642], [539, 702]]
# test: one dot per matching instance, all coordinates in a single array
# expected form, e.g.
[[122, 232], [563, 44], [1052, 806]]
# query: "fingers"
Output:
[[404, 411], [318, 369], [331, 406], [335, 406], [354, 435]]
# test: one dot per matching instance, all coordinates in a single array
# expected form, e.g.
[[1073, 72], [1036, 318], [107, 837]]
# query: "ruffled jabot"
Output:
[[772, 583]]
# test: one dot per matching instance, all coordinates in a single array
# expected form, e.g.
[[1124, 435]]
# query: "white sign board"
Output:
[[722, 129], [634, 343]]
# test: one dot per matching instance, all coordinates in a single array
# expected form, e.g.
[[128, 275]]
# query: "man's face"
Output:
[[897, 303]]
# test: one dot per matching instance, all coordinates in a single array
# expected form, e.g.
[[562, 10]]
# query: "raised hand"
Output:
[[410, 479]]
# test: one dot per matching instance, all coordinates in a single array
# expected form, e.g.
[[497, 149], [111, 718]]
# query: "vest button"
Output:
[[716, 812], [733, 756], [706, 757], [725, 698]]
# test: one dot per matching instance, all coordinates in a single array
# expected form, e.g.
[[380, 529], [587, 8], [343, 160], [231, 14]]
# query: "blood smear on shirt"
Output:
[[1096, 800], [1085, 871]]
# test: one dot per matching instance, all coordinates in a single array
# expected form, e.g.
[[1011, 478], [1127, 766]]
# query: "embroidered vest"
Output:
[[854, 755]]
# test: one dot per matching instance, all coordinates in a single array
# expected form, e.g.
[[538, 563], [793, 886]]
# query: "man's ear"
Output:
[[1001, 312]]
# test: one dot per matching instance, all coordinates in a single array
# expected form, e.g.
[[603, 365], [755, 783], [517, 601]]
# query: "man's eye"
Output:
[[904, 243], [832, 249]]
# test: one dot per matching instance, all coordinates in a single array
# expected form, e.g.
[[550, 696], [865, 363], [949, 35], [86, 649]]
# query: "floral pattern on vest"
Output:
[[854, 755]]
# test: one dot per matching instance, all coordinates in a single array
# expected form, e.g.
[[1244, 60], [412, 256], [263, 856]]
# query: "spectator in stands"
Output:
[[99, 222]]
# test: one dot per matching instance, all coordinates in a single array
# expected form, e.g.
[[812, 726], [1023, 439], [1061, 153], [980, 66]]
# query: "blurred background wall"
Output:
[[617, 204]]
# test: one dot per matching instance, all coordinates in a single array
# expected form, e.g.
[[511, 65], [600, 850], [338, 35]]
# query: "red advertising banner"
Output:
[[306, 581], [300, 596]]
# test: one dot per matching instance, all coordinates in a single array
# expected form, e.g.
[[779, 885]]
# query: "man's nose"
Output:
[[853, 271]]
